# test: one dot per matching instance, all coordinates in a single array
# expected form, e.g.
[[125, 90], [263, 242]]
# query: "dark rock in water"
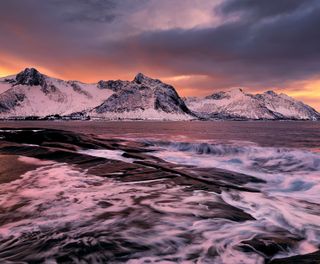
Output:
[[30, 76], [270, 246], [11, 168], [312, 258], [28, 136], [62, 146], [157, 192]]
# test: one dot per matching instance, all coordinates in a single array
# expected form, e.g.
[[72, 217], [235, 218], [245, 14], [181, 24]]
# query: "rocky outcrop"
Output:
[[143, 94], [30, 76]]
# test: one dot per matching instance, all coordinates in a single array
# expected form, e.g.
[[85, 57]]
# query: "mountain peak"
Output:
[[30, 76], [141, 78], [270, 92], [237, 90]]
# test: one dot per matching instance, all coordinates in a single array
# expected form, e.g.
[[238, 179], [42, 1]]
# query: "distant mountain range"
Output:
[[236, 104], [32, 95]]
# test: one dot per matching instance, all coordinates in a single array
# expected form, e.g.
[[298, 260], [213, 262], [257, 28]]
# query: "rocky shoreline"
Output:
[[65, 147]]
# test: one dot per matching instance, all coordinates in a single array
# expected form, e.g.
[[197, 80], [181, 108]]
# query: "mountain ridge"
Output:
[[33, 94], [237, 104]]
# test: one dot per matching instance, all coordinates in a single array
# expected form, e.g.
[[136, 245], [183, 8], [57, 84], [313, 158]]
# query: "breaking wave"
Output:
[[289, 200], [58, 214], [243, 156], [71, 216]]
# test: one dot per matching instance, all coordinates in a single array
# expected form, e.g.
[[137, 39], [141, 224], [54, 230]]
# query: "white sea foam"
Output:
[[35, 161], [168, 223], [107, 153], [287, 171], [289, 200], [59, 202]]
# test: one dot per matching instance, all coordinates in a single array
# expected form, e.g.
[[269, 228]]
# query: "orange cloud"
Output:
[[307, 91], [10, 65]]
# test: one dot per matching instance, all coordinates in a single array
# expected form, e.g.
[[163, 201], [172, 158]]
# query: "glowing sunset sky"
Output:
[[199, 46]]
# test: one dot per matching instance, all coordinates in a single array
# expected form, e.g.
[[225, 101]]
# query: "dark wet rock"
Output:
[[226, 177], [197, 177], [58, 145], [11, 168], [41, 136], [220, 209], [62, 146], [139, 156], [312, 258], [145, 170], [270, 246]]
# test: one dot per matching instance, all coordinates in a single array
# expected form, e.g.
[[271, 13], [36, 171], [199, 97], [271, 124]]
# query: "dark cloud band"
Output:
[[256, 43]]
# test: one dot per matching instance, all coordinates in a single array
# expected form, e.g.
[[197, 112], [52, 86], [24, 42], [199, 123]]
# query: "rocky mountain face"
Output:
[[142, 98], [30, 77], [236, 104], [32, 94]]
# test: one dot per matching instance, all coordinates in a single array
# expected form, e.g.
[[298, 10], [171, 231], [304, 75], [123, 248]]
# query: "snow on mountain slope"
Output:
[[288, 107], [236, 104], [232, 104], [5, 83], [143, 98], [31, 93]]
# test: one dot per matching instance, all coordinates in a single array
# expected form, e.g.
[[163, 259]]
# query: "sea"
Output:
[[54, 211]]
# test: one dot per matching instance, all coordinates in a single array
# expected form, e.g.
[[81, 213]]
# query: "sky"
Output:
[[199, 46]]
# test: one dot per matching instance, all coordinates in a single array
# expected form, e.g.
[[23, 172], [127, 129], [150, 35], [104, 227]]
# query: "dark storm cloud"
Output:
[[87, 10], [261, 8], [266, 53], [55, 34], [255, 43]]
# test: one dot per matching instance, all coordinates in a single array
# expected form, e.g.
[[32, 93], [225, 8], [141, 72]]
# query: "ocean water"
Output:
[[58, 213]]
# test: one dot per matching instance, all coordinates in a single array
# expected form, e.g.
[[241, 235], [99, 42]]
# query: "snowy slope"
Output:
[[31, 93], [143, 98], [236, 104], [286, 106], [5, 84]]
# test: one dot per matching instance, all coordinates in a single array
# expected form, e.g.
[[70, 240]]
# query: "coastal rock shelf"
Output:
[[78, 197]]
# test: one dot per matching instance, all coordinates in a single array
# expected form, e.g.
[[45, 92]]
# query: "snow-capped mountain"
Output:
[[31, 93], [142, 98], [236, 104]]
